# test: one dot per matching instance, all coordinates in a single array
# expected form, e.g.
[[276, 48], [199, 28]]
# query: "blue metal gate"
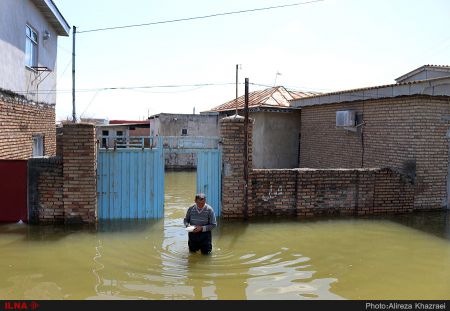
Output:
[[130, 174], [130, 178], [209, 172]]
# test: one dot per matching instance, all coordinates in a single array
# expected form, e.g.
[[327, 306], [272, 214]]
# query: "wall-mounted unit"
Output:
[[345, 118]]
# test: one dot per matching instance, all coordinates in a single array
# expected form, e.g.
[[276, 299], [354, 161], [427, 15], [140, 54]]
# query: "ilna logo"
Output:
[[21, 305]]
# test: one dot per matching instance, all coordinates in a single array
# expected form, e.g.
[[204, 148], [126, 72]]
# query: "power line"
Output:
[[133, 87], [199, 17]]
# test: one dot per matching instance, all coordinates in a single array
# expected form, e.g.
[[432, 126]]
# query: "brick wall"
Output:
[[20, 119], [353, 192], [314, 192], [307, 192], [273, 192], [45, 190], [406, 133], [79, 173], [233, 183]]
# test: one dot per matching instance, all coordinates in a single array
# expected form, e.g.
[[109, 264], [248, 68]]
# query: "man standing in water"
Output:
[[202, 216]]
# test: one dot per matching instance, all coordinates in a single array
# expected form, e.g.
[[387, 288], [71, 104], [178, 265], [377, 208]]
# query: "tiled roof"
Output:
[[276, 96]]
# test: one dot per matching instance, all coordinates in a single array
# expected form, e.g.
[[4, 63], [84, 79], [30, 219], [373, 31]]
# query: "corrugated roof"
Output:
[[381, 91], [422, 68], [276, 96]]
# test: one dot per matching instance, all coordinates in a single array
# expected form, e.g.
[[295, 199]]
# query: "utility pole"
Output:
[[246, 151], [236, 101], [74, 117]]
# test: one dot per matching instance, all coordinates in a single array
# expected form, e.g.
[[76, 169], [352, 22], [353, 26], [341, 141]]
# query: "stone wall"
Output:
[[406, 133], [20, 119]]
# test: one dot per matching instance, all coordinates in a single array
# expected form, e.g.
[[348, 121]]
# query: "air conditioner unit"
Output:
[[345, 118]]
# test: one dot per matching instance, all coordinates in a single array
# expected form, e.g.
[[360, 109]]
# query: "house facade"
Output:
[[120, 130], [185, 125], [276, 125], [404, 126], [28, 48]]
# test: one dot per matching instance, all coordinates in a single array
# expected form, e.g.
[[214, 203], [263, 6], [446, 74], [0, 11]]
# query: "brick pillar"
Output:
[[232, 134], [79, 164]]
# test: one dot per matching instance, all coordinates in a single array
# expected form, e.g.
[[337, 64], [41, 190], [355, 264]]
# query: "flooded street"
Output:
[[395, 257]]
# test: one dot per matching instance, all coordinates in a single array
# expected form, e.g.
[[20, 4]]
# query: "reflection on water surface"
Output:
[[385, 257]]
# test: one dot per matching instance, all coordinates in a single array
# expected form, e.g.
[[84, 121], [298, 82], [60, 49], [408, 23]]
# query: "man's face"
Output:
[[200, 202]]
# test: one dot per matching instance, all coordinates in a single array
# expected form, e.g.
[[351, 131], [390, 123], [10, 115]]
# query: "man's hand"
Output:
[[198, 229]]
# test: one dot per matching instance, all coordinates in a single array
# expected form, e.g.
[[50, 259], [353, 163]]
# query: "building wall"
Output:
[[306, 192], [406, 133], [20, 119], [275, 136], [196, 125], [14, 16]]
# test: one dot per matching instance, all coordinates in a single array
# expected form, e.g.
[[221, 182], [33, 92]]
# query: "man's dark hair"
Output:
[[200, 196]]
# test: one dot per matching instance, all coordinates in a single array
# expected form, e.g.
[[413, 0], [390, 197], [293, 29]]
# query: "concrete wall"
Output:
[[275, 136], [196, 124], [20, 119], [406, 133], [15, 76]]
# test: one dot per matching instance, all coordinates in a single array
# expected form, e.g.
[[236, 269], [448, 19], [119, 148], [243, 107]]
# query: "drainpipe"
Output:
[[246, 152]]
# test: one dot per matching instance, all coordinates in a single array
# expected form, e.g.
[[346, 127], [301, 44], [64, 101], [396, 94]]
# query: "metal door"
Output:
[[209, 172], [13, 190], [130, 183]]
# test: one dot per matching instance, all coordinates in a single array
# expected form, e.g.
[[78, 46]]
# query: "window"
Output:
[[38, 146], [119, 133], [31, 47], [183, 132], [104, 139]]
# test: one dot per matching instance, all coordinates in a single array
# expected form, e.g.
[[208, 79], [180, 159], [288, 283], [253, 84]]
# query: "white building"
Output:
[[29, 31]]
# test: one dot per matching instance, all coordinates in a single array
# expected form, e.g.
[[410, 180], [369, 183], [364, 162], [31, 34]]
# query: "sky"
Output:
[[190, 66]]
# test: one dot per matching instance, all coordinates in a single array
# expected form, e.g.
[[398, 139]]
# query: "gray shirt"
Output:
[[204, 217]]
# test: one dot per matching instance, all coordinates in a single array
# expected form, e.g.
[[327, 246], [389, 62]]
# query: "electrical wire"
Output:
[[198, 85], [199, 17]]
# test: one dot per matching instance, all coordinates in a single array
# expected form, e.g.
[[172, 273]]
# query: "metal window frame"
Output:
[[34, 44]]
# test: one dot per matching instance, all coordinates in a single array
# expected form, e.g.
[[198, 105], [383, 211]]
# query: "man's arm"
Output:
[[187, 219], [212, 223]]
